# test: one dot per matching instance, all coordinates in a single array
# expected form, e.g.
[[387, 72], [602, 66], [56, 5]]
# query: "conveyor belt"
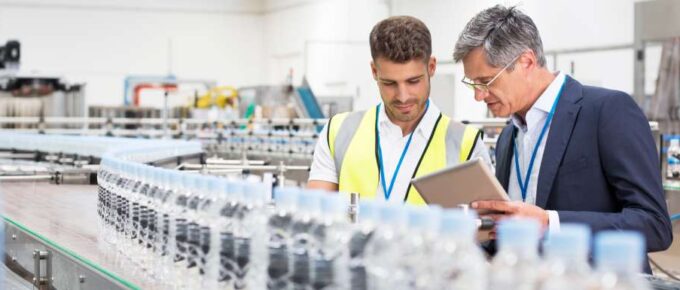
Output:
[[66, 215]]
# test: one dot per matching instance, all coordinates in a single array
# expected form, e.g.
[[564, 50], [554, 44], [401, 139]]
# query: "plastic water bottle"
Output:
[[228, 216], [249, 237], [119, 210], [166, 237], [163, 245], [515, 266], [566, 258], [458, 261], [305, 223], [200, 238], [618, 260], [210, 239], [258, 275], [384, 250], [103, 176], [131, 250], [423, 226], [368, 218], [145, 214], [198, 190], [180, 229], [279, 229], [106, 177], [330, 258]]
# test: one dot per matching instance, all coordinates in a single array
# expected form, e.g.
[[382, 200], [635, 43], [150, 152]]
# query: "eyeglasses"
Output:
[[485, 87]]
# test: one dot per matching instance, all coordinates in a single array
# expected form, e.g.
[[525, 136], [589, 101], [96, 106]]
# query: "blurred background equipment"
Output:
[[24, 94]]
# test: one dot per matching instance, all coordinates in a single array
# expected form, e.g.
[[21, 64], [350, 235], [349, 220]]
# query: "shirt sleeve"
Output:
[[323, 166], [553, 222]]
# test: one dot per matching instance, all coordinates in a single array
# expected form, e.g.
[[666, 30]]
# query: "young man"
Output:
[[377, 152], [572, 153]]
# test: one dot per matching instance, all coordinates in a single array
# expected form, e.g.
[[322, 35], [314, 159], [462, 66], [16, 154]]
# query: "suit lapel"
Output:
[[558, 139], [503, 156]]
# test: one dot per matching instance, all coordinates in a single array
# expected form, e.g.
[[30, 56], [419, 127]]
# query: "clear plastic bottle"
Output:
[[103, 174], [516, 263], [180, 229], [279, 229], [164, 251], [330, 257], [166, 238], [384, 250], [228, 216], [208, 188], [423, 226], [459, 262], [106, 177], [195, 227], [566, 258], [130, 247], [120, 210], [210, 240], [145, 213], [305, 223], [363, 231], [250, 238], [618, 260]]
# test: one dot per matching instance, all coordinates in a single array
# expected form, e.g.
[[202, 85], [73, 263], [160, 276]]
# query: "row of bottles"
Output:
[[190, 231], [270, 141]]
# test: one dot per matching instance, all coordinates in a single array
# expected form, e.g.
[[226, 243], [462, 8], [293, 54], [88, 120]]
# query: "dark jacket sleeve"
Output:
[[631, 166]]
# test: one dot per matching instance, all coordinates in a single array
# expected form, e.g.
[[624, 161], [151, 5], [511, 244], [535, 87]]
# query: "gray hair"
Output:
[[503, 33]]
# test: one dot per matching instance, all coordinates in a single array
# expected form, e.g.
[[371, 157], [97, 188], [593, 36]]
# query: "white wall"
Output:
[[249, 42], [326, 40], [102, 42]]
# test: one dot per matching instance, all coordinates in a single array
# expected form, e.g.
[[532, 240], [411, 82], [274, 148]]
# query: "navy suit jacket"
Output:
[[600, 165]]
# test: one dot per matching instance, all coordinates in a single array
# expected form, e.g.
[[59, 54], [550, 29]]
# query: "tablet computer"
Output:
[[461, 184]]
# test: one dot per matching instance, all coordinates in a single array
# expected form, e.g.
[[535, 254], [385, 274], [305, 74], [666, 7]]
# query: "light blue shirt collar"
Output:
[[542, 106]]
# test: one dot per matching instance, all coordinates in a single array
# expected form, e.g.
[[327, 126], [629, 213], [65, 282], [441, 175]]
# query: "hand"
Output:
[[509, 209]]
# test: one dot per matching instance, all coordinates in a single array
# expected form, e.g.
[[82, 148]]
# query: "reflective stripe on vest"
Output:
[[352, 144]]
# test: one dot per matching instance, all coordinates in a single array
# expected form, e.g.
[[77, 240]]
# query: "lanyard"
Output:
[[524, 186], [388, 190]]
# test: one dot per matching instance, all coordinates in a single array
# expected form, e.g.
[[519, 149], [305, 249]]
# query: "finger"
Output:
[[497, 205]]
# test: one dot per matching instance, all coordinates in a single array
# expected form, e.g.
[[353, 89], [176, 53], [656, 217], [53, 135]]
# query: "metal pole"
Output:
[[26, 177], [165, 115]]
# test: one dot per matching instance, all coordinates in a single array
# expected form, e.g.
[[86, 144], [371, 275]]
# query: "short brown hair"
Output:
[[401, 39]]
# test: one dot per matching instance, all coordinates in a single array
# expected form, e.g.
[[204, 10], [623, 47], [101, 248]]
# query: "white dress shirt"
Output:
[[527, 136], [392, 142]]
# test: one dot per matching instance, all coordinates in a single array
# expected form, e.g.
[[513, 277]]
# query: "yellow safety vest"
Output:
[[352, 143]]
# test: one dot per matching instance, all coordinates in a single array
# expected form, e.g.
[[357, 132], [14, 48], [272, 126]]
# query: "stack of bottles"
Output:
[[274, 142], [189, 231]]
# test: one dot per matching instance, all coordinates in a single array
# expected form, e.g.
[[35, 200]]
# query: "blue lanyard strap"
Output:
[[524, 186], [388, 190]]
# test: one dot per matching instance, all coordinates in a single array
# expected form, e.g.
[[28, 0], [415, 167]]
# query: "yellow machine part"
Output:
[[220, 96]]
